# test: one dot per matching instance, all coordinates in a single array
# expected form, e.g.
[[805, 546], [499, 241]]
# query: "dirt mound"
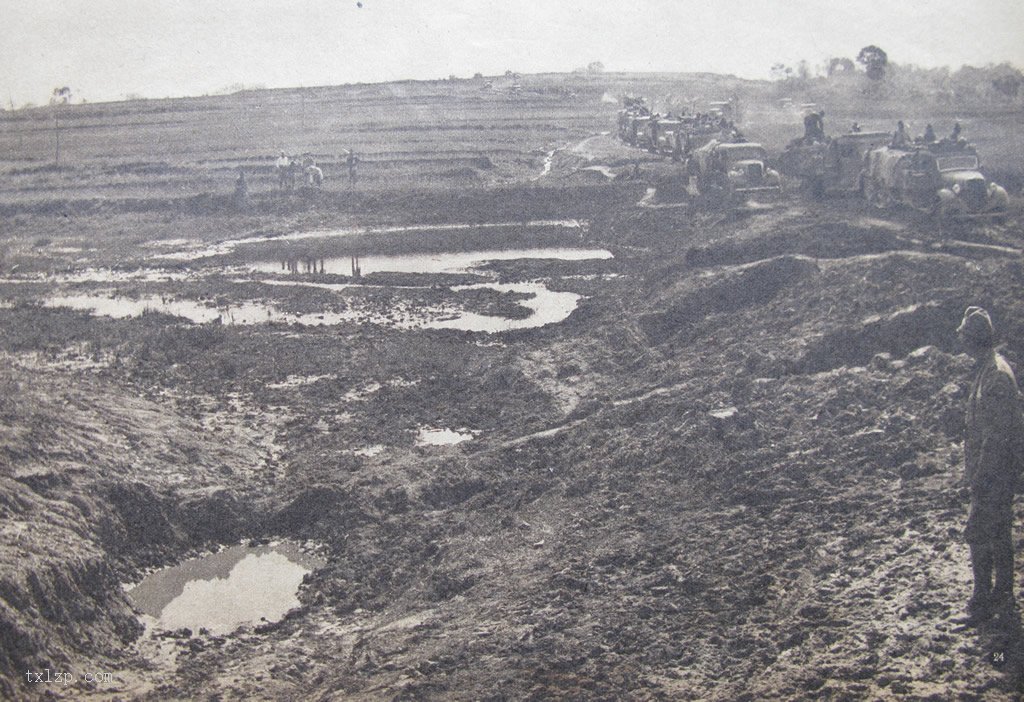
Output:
[[756, 283], [826, 240], [896, 334]]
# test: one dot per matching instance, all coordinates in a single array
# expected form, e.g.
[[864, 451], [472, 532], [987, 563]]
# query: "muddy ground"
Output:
[[733, 472]]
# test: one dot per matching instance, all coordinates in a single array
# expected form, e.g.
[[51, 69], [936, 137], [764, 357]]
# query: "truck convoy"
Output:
[[941, 177]]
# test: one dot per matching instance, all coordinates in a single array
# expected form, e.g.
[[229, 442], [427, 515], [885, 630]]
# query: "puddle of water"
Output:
[[221, 592], [448, 262], [548, 161], [603, 170], [242, 313], [548, 307], [103, 275], [441, 437], [294, 381], [122, 307], [225, 247]]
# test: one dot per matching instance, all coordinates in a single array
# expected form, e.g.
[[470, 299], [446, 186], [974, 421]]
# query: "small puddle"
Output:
[[548, 161], [547, 306], [441, 437], [603, 170], [223, 591]]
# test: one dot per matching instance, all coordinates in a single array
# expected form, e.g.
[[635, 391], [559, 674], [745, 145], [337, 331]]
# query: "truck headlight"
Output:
[[956, 189]]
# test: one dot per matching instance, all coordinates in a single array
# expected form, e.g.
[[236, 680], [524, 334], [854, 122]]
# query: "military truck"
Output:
[[942, 178], [727, 171], [633, 109], [633, 127], [832, 166], [668, 135], [679, 136]]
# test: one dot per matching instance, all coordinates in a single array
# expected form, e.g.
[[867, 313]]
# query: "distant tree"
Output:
[[478, 75], [595, 67], [1008, 80], [509, 73], [839, 65], [781, 71], [874, 61], [61, 96]]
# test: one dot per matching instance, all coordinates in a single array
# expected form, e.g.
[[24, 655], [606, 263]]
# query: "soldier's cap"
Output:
[[976, 326]]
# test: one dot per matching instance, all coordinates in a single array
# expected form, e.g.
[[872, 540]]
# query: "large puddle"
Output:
[[221, 592], [440, 308], [200, 250], [448, 262], [546, 306]]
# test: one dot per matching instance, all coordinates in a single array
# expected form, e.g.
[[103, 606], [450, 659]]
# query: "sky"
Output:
[[109, 49]]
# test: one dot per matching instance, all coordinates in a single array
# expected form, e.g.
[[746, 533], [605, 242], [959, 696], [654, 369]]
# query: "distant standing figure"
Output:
[[929, 134], [352, 161], [283, 166], [900, 138], [955, 134], [992, 452], [855, 128], [241, 196], [814, 127]]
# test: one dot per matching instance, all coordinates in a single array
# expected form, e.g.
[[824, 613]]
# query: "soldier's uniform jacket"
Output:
[[992, 447]]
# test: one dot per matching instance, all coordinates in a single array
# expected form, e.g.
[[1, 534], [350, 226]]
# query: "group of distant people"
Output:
[[290, 168], [814, 132], [901, 138]]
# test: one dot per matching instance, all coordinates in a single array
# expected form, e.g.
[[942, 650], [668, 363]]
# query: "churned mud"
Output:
[[575, 449]]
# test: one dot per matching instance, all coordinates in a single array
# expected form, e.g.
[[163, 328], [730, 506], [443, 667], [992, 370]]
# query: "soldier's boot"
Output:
[[981, 565], [1002, 560]]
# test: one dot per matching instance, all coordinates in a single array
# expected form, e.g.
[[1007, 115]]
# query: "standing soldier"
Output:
[[351, 161], [283, 166], [992, 445], [241, 196]]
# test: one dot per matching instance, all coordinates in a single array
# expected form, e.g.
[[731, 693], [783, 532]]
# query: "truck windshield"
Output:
[[747, 153], [960, 162]]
